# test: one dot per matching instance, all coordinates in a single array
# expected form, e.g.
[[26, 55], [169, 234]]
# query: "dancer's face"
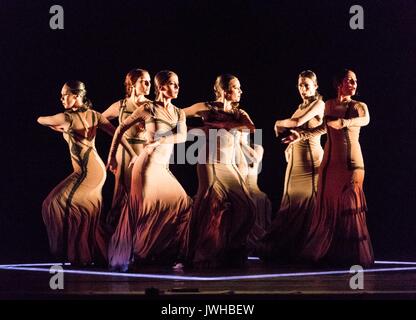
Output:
[[348, 86], [307, 88], [142, 86], [234, 92], [68, 99], [171, 88]]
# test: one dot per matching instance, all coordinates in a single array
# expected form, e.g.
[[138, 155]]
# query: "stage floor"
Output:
[[385, 280]]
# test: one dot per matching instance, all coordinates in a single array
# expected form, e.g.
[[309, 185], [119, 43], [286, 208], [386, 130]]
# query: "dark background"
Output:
[[265, 43]]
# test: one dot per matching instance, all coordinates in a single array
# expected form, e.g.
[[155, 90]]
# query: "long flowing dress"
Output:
[[71, 210], [223, 212], [338, 233], [249, 166], [285, 237], [159, 208], [136, 137]]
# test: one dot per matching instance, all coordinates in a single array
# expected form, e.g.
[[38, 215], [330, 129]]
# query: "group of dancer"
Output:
[[153, 221]]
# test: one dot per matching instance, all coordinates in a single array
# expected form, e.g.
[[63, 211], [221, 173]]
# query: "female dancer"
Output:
[[223, 212], [249, 160], [285, 237], [159, 207], [338, 233], [137, 87], [71, 211]]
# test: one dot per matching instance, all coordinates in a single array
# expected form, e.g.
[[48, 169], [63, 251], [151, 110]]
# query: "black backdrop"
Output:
[[265, 43]]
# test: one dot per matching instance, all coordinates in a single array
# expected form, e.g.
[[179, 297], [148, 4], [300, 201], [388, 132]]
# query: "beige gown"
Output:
[[338, 233], [72, 209], [249, 164], [159, 208], [285, 237], [223, 212], [136, 137]]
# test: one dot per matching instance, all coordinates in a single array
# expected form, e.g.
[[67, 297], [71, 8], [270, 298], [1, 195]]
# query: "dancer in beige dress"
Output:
[[285, 237], [137, 87], [71, 211], [159, 207], [249, 158], [338, 234], [223, 212]]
